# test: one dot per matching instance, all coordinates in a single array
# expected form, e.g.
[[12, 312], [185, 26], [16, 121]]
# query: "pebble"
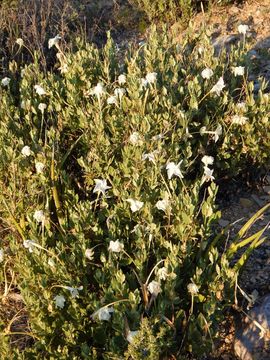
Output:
[[223, 222], [266, 189], [247, 203]]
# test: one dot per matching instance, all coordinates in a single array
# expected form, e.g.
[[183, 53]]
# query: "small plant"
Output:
[[107, 171]]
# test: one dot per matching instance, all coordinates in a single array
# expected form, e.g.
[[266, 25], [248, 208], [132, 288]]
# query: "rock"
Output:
[[246, 203], [266, 189], [257, 200], [252, 333], [223, 222]]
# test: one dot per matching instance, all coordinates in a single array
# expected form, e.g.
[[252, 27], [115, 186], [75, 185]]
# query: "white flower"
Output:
[[144, 83], [154, 288], [119, 92], [51, 262], [151, 78], [63, 68], [149, 156], [112, 100], [135, 139], [122, 79], [73, 291], [20, 42], [163, 205], [203, 130], [238, 70], [207, 73], [39, 167], [29, 244], [101, 186], [2, 255], [5, 81], [59, 301], [39, 216], [54, 41], [192, 289], [241, 105], [208, 160], [131, 335], [89, 254], [217, 132], [98, 90], [200, 50], [174, 169], [26, 151], [239, 120], [162, 273], [218, 87], [116, 246], [103, 314], [208, 175], [135, 205], [39, 90], [42, 107], [242, 29]]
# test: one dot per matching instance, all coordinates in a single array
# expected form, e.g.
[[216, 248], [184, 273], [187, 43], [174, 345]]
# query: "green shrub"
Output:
[[173, 9], [108, 192]]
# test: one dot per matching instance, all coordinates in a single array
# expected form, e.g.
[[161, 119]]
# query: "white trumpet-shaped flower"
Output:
[[101, 186], [207, 73], [103, 314], [238, 70], [151, 78], [135, 205], [242, 29], [193, 289], [74, 292], [154, 288], [208, 175], [218, 87], [131, 335], [89, 254], [39, 167], [208, 160], [40, 90], [116, 246], [26, 151], [136, 139], [54, 41], [42, 107], [59, 301], [173, 169], [5, 81], [163, 205], [122, 79], [39, 216]]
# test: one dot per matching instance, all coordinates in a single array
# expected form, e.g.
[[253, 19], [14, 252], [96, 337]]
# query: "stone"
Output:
[[266, 189], [257, 200], [252, 333], [223, 222], [246, 203]]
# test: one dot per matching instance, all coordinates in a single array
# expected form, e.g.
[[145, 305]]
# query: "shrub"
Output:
[[173, 9], [107, 187]]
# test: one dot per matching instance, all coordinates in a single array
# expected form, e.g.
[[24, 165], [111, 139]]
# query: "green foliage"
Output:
[[95, 266], [173, 9]]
